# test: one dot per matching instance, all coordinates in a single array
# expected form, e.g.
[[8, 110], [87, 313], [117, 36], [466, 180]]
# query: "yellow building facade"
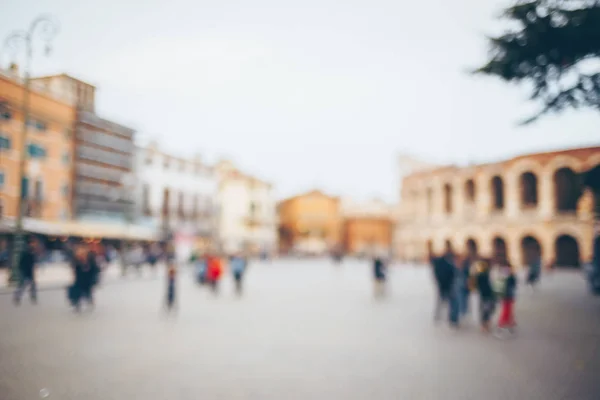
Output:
[[309, 223], [49, 150]]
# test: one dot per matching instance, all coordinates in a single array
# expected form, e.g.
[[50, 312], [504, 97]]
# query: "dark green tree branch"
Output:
[[555, 48]]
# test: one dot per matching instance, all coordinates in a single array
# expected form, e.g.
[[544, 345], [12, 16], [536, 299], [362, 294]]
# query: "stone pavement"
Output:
[[302, 330]]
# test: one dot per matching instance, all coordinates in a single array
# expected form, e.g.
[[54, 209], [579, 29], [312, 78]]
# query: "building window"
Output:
[[4, 143], [5, 115], [38, 190], [36, 151], [529, 194], [2, 178], [37, 124], [497, 193], [470, 190], [448, 198], [66, 158]]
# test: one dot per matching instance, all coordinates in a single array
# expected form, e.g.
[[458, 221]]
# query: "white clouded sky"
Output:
[[318, 93]]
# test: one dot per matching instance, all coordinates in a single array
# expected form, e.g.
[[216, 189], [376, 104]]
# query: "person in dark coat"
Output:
[[480, 280], [86, 276], [379, 273], [443, 271], [27, 264]]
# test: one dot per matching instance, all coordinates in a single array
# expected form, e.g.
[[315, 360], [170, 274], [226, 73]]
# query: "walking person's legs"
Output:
[[19, 291], [33, 291]]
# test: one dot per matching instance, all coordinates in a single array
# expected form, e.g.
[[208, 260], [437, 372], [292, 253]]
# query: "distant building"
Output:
[[527, 205], [309, 223], [47, 184], [104, 152], [367, 227], [178, 196], [247, 215]]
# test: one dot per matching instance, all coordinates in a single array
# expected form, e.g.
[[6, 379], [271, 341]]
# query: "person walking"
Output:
[[534, 272], [466, 291], [86, 276], [27, 266], [443, 273], [480, 280], [379, 273], [171, 282], [214, 272], [506, 322], [238, 264]]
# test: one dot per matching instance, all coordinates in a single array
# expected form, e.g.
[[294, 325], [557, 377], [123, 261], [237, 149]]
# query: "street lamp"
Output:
[[46, 29], [123, 193]]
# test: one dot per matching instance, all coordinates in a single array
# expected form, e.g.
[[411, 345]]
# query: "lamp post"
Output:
[[46, 28], [124, 193]]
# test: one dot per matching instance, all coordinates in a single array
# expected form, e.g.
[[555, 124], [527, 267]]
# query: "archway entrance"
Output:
[[531, 250], [567, 190], [448, 247], [567, 252], [471, 246], [499, 250]]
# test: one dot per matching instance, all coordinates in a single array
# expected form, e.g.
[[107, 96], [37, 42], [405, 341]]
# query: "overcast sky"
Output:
[[306, 94]]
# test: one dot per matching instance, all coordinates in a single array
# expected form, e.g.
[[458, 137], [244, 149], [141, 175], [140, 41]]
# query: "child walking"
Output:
[[506, 322]]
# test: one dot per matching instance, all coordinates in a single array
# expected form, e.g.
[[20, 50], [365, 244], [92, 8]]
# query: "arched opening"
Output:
[[529, 190], [531, 251], [470, 191], [448, 198], [567, 252], [448, 247], [497, 193], [567, 190], [499, 250], [472, 247]]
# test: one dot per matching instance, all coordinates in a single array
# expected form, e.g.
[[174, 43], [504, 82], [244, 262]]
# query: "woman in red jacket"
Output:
[[214, 271]]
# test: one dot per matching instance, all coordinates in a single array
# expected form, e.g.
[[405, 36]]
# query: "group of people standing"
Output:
[[495, 281]]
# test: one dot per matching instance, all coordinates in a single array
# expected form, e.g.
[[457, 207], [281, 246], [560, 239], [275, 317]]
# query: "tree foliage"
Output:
[[555, 47]]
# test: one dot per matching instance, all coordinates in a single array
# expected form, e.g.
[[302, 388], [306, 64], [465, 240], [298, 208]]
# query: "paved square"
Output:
[[302, 330]]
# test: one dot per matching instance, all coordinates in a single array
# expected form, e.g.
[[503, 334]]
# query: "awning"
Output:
[[84, 229]]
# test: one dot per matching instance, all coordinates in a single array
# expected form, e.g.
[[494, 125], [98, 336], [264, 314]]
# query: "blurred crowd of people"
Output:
[[493, 279]]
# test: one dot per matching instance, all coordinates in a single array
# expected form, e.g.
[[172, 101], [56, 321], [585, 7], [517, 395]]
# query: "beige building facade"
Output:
[[532, 204]]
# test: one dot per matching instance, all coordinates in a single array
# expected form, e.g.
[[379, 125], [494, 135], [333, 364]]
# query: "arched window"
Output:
[[529, 190], [567, 252], [471, 246], [470, 191], [567, 190], [448, 198], [497, 193]]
